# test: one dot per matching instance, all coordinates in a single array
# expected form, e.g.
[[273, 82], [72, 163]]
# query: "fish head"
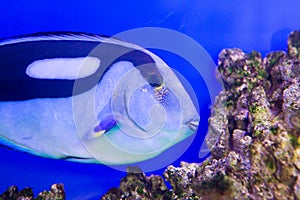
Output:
[[151, 112]]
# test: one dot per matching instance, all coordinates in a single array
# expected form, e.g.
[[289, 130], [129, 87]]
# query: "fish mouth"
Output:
[[193, 124]]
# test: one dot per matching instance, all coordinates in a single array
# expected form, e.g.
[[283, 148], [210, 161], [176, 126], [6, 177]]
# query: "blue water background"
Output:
[[250, 25]]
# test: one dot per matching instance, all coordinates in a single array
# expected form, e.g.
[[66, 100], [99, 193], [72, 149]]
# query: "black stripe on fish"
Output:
[[74, 158], [16, 85], [79, 159], [6, 147]]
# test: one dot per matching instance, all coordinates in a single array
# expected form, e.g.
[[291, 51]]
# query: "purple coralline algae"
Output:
[[254, 135]]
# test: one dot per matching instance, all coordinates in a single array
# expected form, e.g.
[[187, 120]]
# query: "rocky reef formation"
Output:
[[56, 192], [137, 186], [254, 135]]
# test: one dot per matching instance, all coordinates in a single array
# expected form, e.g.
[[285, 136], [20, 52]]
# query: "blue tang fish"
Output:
[[90, 98]]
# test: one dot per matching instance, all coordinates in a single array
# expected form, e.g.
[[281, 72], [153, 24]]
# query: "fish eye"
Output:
[[155, 80]]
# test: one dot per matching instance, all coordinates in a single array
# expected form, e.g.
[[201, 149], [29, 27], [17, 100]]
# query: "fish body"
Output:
[[90, 98]]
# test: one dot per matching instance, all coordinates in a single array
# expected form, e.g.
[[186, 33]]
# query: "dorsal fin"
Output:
[[62, 33], [66, 36], [42, 36]]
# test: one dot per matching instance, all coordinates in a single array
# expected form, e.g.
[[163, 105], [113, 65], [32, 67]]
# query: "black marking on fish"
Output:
[[74, 158], [16, 85], [6, 147], [80, 159]]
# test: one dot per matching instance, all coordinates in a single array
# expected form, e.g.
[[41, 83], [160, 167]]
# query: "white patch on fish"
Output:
[[63, 68]]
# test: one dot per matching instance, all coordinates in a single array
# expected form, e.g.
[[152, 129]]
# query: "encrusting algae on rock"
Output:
[[136, 185], [254, 135], [57, 192]]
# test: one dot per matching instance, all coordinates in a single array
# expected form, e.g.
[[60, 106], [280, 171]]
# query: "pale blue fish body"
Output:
[[137, 116]]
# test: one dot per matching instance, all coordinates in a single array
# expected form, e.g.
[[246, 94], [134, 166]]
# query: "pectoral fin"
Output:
[[104, 126]]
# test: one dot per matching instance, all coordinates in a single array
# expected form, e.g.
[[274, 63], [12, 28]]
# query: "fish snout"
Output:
[[193, 124]]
